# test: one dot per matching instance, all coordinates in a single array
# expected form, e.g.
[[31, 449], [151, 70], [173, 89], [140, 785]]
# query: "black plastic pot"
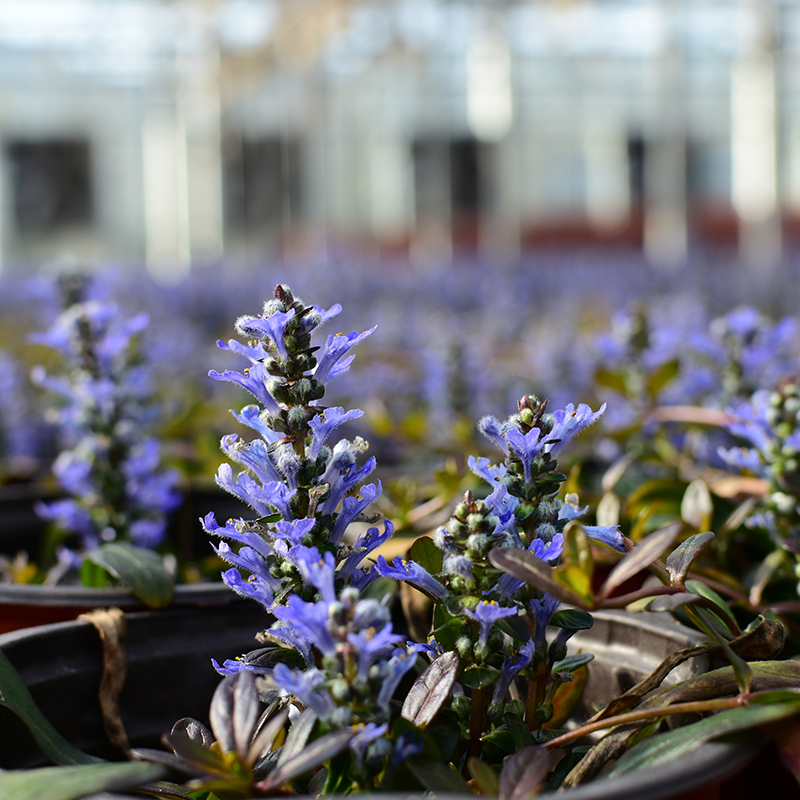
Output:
[[24, 606], [169, 676]]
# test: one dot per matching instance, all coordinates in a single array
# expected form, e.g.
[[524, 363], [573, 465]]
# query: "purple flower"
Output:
[[336, 346], [325, 423], [352, 507], [364, 737], [397, 666], [512, 665], [238, 533], [253, 417], [306, 686], [487, 612], [293, 531], [412, 573], [148, 532], [291, 637], [231, 666], [372, 644], [346, 480], [317, 571], [492, 429], [262, 498], [256, 588], [273, 326], [252, 455], [569, 422], [311, 621], [610, 535], [542, 611], [362, 548], [484, 468], [70, 516], [526, 447], [254, 380]]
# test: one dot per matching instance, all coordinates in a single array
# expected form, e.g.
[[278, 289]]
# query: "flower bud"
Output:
[[341, 717], [464, 646]]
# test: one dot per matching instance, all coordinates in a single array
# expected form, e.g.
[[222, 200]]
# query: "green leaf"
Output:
[[425, 553], [437, 776], [70, 783], [660, 377], [611, 380], [577, 582], [721, 607], [92, 576], [680, 560], [478, 677], [571, 663], [519, 730], [448, 632], [141, 571], [484, 776], [674, 744], [14, 695], [572, 619]]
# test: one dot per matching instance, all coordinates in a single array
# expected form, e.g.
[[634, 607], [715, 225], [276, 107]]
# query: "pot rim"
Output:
[[217, 593]]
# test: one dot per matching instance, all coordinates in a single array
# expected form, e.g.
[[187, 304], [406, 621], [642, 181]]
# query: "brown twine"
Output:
[[110, 624]]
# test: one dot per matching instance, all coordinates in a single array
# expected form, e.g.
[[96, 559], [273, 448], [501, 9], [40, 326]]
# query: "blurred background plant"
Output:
[[117, 494]]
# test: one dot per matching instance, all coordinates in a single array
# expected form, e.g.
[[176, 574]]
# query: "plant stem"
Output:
[[537, 690], [476, 724], [693, 707], [632, 597]]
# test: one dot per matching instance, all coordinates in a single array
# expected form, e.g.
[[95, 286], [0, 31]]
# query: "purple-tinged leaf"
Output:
[[680, 560], [523, 773], [194, 730], [234, 706], [641, 557], [786, 734], [314, 755], [431, 690], [202, 760], [524, 566], [246, 709], [265, 740], [298, 736]]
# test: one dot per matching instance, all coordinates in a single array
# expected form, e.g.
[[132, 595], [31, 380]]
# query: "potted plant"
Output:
[[109, 518], [476, 696]]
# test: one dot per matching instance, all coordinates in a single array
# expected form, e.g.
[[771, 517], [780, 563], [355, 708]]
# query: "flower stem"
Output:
[[477, 723], [694, 707]]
